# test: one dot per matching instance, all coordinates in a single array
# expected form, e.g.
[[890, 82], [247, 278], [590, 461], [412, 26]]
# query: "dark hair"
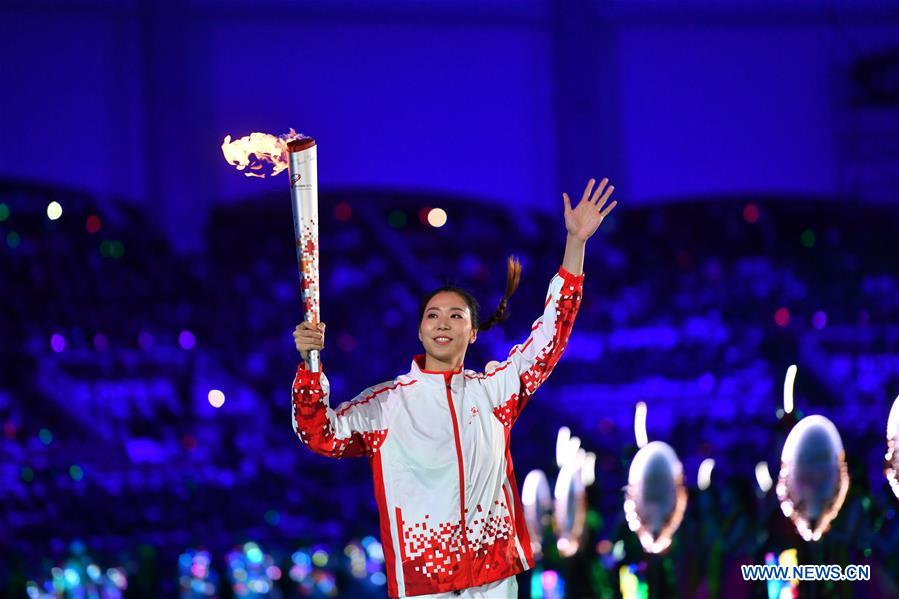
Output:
[[513, 276]]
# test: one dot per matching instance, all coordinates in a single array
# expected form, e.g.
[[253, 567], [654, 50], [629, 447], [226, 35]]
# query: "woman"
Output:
[[438, 437]]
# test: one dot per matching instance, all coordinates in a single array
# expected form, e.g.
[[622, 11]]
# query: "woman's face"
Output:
[[445, 329]]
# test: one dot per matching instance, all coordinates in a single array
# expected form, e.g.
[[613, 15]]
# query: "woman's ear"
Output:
[[474, 336]]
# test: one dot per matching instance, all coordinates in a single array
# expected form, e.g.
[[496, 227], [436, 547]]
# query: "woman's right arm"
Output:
[[355, 428]]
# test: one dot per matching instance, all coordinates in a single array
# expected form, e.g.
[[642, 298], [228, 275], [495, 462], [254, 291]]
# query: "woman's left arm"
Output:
[[514, 381]]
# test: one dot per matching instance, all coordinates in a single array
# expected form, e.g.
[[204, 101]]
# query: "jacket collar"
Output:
[[418, 367]]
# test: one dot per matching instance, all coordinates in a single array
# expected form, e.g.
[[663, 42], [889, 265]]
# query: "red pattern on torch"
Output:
[[303, 164]]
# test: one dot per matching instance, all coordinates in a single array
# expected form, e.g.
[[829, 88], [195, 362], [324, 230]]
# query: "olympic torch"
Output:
[[303, 170], [256, 152]]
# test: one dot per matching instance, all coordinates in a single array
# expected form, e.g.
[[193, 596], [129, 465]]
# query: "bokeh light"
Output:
[[397, 219], [782, 317], [13, 240], [93, 224], [343, 211], [216, 398], [4, 212], [253, 552], [145, 340], [57, 342], [112, 249], [819, 320], [807, 238], [45, 436], [76, 472], [186, 340], [437, 217], [54, 210], [101, 343], [751, 213]]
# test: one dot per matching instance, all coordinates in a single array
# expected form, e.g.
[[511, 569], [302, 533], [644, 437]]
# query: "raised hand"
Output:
[[583, 220]]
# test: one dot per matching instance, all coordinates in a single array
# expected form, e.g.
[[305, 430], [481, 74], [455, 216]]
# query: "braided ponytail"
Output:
[[513, 277]]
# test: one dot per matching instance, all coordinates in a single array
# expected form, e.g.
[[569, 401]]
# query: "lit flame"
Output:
[[256, 150]]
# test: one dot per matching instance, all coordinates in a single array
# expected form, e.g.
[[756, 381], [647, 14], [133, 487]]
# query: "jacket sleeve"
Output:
[[355, 428], [512, 383]]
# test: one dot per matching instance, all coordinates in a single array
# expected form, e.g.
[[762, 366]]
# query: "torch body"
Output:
[[303, 168]]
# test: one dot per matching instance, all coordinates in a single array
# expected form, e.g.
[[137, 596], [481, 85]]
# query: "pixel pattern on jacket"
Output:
[[438, 443]]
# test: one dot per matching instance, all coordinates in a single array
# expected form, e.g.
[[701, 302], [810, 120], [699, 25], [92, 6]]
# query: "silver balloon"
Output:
[[892, 457], [570, 506], [813, 479], [538, 508], [655, 496]]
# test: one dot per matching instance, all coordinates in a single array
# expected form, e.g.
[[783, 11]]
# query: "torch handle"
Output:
[[303, 165]]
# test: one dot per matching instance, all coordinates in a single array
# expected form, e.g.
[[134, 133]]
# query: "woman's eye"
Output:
[[457, 316]]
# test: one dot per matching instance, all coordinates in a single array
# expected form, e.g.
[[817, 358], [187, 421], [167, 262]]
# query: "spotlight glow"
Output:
[[54, 210], [704, 476], [788, 388], [588, 469], [216, 398], [763, 477], [562, 445], [640, 424]]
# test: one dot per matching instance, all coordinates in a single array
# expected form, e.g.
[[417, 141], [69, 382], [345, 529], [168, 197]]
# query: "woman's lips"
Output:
[[443, 340]]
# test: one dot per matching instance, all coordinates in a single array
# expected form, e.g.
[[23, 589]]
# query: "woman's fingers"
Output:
[[587, 190], [605, 197], [605, 211], [308, 336], [599, 188]]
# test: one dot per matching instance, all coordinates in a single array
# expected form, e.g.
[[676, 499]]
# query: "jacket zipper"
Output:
[[463, 521]]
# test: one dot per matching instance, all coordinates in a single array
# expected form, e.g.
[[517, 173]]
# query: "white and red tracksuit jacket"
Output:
[[438, 443]]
